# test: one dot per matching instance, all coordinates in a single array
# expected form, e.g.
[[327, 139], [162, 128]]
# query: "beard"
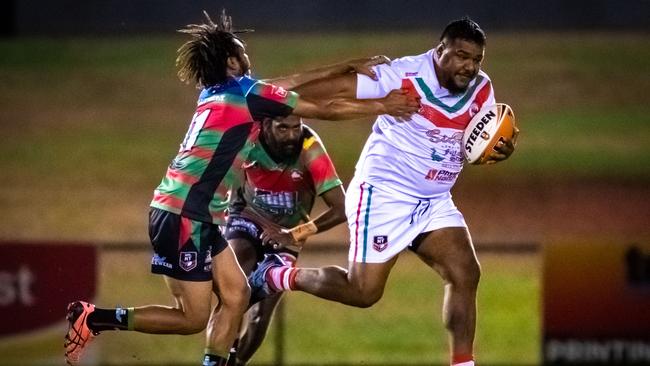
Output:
[[281, 152], [289, 151], [458, 86]]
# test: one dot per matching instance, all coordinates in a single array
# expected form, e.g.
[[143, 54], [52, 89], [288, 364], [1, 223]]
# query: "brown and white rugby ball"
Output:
[[489, 126]]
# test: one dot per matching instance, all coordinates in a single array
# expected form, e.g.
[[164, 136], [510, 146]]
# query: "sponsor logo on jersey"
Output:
[[410, 74], [380, 242], [431, 174], [215, 99], [277, 203], [445, 176], [454, 155], [244, 225], [157, 260], [188, 260], [279, 91], [448, 146], [453, 166], [438, 137], [435, 156], [441, 176], [207, 264]]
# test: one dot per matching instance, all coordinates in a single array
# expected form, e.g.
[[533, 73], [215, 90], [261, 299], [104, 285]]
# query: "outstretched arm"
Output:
[[397, 103], [339, 86], [350, 67]]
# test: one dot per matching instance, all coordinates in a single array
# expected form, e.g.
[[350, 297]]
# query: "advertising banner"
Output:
[[596, 304], [37, 280]]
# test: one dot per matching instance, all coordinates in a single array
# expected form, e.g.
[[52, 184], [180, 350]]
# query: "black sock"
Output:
[[232, 357], [108, 319], [214, 360]]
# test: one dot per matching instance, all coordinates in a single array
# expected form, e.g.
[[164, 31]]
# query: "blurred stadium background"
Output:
[[91, 113]]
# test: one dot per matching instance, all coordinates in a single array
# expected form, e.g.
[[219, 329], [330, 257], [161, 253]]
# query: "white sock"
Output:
[[282, 278]]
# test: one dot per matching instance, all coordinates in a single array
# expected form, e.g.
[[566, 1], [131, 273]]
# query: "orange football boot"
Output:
[[79, 335]]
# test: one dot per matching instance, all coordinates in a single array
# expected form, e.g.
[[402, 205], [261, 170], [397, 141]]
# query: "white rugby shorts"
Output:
[[382, 222]]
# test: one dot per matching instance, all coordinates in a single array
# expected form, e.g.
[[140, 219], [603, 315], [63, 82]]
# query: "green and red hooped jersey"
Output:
[[219, 138], [285, 192]]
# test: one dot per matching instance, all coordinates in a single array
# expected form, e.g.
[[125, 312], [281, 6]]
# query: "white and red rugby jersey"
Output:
[[420, 157]]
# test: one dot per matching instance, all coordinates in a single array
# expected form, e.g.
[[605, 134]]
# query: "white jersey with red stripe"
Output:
[[422, 156]]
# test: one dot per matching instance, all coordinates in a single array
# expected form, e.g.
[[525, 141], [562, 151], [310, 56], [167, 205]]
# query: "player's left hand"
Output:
[[503, 149], [364, 65]]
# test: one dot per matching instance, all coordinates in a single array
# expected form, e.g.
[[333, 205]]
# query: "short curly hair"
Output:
[[464, 28]]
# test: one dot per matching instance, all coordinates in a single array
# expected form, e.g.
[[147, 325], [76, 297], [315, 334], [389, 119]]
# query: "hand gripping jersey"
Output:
[[285, 192], [219, 138], [420, 157]]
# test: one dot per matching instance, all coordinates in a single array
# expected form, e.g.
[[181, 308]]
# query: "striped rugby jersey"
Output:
[[421, 157], [219, 137], [285, 192]]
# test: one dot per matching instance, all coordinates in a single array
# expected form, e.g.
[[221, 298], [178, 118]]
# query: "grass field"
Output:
[[405, 327], [89, 125]]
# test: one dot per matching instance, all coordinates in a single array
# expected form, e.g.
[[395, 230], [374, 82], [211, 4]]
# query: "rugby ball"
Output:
[[491, 124]]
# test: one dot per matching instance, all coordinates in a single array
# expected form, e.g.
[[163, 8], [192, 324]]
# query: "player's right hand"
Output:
[[401, 104], [364, 66], [503, 149]]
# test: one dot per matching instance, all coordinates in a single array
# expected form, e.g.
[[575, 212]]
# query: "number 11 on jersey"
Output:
[[195, 127]]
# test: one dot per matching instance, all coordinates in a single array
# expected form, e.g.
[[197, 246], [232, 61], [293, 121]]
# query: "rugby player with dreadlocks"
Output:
[[190, 203]]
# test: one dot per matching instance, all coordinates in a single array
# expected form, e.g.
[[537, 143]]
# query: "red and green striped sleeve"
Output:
[[270, 101], [319, 165]]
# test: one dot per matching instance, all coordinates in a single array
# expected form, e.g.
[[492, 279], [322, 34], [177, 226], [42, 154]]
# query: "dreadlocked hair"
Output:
[[203, 59]]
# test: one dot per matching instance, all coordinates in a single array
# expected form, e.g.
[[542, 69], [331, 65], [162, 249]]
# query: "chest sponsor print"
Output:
[[277, 203], [447, 147], [441, 176]]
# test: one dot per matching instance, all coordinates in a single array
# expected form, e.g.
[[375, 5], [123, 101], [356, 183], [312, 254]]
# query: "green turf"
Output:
[[404, 327]]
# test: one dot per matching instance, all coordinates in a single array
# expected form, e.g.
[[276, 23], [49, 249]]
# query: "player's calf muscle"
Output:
[[464, 275]]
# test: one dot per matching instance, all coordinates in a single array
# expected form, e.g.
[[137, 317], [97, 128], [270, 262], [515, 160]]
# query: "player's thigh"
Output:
[[369, 279], [183, 247], [182, 254], [450, 252], [228, 277], [381, 223], [245, 252], [243, 235]]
